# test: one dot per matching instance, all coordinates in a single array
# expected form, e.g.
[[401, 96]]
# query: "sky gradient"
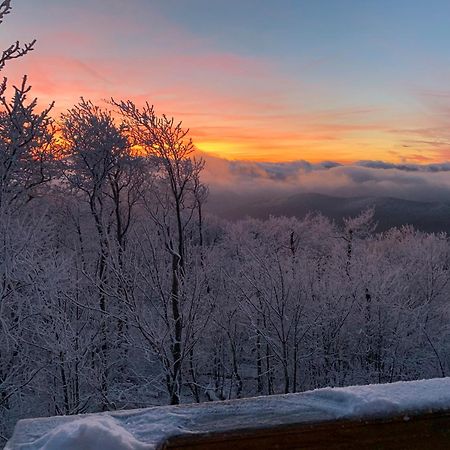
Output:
[[285, 80]]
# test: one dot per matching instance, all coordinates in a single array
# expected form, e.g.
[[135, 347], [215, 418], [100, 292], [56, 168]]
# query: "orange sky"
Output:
[[239, 103], [260, 125]]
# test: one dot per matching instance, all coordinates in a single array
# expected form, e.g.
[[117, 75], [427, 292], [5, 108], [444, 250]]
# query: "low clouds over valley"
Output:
[[400, 193]]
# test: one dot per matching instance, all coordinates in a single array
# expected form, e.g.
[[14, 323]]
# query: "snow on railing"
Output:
[[412, 414]]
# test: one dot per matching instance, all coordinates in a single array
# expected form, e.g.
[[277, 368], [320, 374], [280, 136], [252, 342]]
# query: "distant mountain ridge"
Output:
[[389, 212]]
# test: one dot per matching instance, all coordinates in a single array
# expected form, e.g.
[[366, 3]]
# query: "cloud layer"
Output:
[[426, 182]]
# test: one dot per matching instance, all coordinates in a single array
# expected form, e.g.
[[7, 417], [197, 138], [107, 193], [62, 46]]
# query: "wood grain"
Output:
[[429, 431]]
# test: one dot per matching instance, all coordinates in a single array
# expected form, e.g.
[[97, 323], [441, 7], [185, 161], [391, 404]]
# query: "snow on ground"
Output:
[[146, 428], [89, 433]]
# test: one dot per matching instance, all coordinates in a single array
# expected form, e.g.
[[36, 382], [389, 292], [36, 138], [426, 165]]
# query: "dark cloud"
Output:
[[277, 171], [444, 167]]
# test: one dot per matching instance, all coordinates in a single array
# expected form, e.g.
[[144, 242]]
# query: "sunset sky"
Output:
[[341, 80]]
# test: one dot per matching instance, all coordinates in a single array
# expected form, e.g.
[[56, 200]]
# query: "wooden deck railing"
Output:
[[426, 431], [411, 415]]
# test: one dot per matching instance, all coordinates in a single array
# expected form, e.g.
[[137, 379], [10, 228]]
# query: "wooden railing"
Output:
[[412, 415], [426, 431]]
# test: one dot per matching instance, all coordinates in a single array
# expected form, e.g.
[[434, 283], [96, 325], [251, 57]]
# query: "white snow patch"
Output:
[[89, 433], [386, 399]]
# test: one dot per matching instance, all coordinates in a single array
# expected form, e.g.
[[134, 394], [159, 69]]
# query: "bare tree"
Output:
[[15, 50], [177, 192]]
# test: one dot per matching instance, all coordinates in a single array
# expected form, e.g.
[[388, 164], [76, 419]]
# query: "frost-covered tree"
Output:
[[171, 201], [26, 148], [99, 169]]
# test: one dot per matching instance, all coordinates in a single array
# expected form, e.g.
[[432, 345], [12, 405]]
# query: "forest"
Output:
[[118, 291]]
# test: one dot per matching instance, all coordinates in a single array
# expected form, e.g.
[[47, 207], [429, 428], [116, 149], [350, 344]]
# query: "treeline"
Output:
[[117, 292]]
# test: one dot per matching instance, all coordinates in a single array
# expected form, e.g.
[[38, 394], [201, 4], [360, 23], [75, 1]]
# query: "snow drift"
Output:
[[147, 428]]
